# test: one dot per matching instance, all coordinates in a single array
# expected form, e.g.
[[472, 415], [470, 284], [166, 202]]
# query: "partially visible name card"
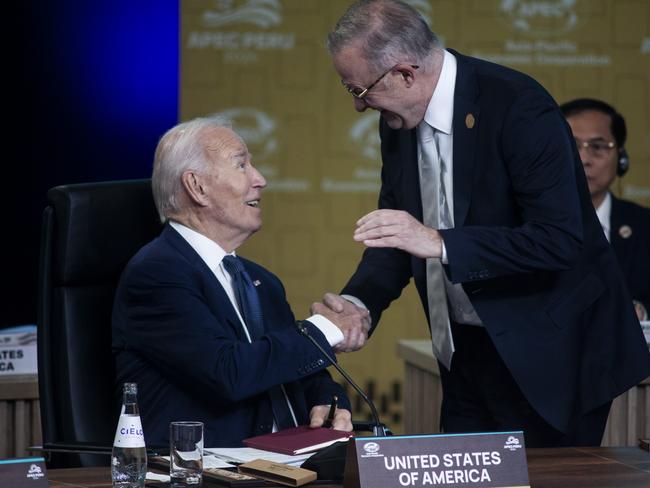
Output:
[[23, 473], [495, 460], [18, 350]]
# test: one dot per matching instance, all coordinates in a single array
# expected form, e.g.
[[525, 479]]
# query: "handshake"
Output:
[[354, 321]]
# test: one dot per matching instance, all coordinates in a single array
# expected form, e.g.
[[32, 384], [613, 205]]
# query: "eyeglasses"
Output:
[[360, 92], [596, 149]]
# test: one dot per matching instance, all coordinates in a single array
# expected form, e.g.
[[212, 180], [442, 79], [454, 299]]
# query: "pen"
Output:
[[330, 415]]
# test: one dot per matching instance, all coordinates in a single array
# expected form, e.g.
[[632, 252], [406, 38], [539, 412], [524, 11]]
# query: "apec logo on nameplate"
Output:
[[453, 460], [23, 473]]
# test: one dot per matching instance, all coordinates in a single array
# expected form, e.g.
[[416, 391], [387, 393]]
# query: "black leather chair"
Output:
[[89, 233]]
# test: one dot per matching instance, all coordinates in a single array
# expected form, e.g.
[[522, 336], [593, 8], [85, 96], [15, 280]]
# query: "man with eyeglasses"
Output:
[[484, 204], [600, 134]]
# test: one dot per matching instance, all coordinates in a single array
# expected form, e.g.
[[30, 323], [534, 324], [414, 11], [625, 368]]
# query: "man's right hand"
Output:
[[353, 321]]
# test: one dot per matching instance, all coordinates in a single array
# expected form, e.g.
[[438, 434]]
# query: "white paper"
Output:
[[210, 462], [151, 476], [245, 454], [189, 455]]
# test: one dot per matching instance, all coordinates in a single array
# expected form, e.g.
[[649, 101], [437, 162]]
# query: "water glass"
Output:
[[185, 453]]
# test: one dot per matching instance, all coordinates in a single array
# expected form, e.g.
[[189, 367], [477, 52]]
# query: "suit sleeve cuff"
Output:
[[355, 300], [331, 332], [358, 303]]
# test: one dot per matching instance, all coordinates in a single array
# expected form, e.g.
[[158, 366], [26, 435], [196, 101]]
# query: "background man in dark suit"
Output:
[[184, 330], [534, 329], [600, 133]]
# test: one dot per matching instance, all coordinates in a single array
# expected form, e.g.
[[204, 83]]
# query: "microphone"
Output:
[[378, 429]]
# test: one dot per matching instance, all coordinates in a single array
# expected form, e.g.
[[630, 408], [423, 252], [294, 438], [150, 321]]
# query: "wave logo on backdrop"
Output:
[[546, 26], [226, 28], [541, 18], [364, 136], [263, 13], [256, 128]]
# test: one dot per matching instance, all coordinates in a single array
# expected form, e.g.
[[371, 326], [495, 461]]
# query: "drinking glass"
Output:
[[185, 453]]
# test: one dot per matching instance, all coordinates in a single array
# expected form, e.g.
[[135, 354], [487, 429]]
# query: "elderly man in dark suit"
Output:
[[600, 133], [207, 335], [484, 203]]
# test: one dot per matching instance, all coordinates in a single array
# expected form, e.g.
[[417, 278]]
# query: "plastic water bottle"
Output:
[[129, 458]]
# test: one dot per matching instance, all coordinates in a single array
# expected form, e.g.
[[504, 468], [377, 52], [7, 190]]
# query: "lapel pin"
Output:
[[469, 121], [625, 231], [257, 283]]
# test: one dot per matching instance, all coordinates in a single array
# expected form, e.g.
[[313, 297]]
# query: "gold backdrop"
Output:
[[264, 64]]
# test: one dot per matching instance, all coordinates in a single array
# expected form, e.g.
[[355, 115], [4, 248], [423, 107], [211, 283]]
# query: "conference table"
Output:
[[585, 467]]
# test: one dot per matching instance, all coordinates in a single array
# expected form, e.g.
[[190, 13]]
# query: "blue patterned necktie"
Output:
[[251, 311], [246, 294]]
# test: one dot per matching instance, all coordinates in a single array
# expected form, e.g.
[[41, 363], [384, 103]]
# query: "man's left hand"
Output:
[[398, 229], [342, 418]]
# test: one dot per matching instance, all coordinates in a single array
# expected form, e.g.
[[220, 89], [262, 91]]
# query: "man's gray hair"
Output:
[[180, 149], [390, 32]]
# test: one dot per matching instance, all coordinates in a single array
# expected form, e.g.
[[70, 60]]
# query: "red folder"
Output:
[[297, 440]]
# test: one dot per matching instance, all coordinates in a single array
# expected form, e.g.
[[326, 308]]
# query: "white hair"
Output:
[[180, 149]]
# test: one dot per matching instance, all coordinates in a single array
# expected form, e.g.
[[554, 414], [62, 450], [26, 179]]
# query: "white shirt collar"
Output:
[[440, 111], [604, 212], [210, 251]]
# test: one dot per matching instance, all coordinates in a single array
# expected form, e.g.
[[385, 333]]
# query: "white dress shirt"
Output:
[[440, 116], [604, 213], [212, 254]]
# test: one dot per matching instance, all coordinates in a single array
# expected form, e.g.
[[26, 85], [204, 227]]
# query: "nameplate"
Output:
[[495, 460], [23, 473], [18, 351]]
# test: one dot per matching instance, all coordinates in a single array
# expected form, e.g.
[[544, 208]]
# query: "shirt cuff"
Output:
[[331, 332], [443, 258]]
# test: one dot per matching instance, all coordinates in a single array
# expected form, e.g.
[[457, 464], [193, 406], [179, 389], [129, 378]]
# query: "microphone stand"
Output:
[[378, 429]]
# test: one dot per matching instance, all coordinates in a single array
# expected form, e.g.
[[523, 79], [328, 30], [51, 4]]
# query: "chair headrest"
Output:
[[99, 227]]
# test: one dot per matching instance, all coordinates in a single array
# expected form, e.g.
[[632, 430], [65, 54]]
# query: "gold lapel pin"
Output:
[[469, 121], [625, 231]]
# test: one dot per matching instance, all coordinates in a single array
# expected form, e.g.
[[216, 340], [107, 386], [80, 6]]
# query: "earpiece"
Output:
[[623, 162]]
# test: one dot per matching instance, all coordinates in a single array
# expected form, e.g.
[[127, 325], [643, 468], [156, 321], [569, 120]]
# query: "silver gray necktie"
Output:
[[435, 214]]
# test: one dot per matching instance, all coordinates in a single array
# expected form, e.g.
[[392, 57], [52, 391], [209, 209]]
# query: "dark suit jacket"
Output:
[[630, 238], [527, 245], [176, 334]]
